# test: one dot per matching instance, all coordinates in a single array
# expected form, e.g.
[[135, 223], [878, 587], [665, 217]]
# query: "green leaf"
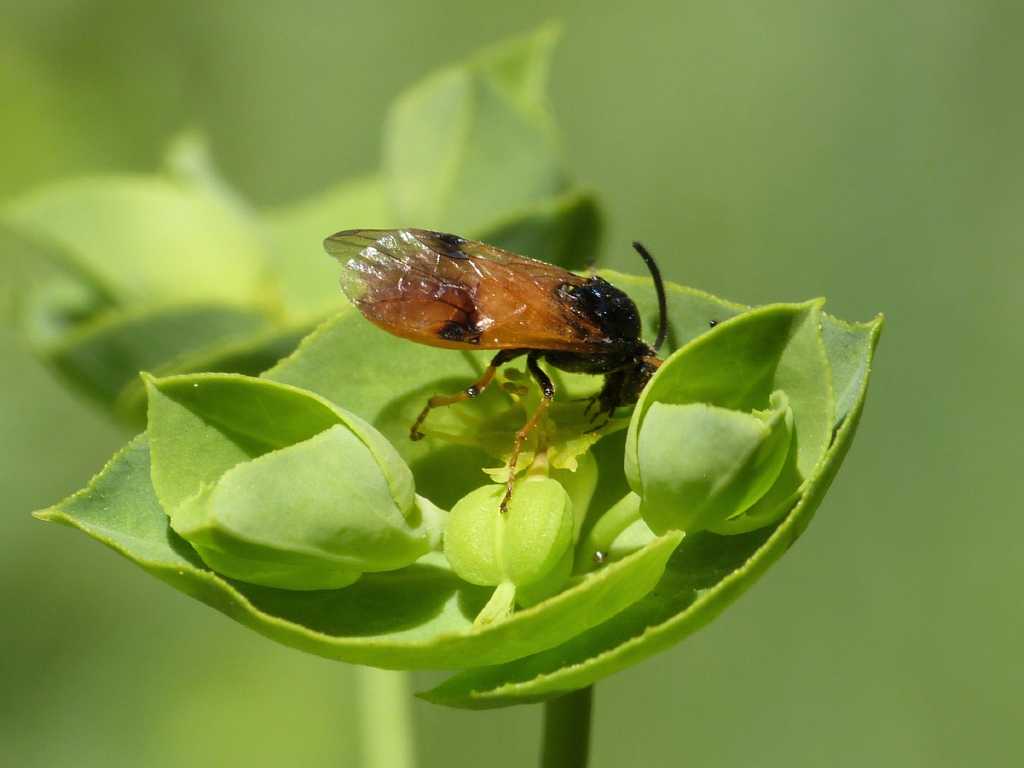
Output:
[[146, 240], [387, 380], [313, 515], [307, 278], [564, 230], [46, 312], [44, 293], [275, 486], [475, 140], [250, 353], [103, 357], [417, 617], [844, 342], [201, 425], [189, 162], [705, 574], [120, 254]]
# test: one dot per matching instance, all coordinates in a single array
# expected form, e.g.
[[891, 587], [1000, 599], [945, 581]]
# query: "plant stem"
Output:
[[386, 728], [499, 606], [567, 730]]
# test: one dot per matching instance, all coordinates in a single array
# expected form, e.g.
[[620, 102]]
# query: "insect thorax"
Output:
[[606, 306]]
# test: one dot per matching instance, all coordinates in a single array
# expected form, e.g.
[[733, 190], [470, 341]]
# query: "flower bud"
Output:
[[699, 465], [523, 546]]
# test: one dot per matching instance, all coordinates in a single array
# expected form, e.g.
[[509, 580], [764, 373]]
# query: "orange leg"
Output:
[[547, 389], [474, 389]]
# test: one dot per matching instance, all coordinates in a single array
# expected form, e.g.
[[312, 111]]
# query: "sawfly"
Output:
[[446, 291]]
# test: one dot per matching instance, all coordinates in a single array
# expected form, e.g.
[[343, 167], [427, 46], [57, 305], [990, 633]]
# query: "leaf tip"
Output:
[[428, 695], [48, 515], [550, 31], [440, 695]]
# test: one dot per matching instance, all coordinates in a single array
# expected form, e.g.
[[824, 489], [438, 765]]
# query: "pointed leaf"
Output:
[[475, 140]]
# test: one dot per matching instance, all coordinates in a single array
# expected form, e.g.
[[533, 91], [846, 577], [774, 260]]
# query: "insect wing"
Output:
[[446, 291]]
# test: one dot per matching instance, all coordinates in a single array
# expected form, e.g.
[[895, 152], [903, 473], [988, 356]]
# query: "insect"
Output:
[[446, 291]]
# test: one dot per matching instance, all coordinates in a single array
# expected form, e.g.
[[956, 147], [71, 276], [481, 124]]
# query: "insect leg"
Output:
[[468, 393], [611, 396], [547, 389]]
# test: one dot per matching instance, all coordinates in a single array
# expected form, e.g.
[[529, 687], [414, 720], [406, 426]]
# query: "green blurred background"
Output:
[[870, 152]]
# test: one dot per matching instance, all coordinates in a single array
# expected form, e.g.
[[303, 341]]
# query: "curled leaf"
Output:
[[700, 464], [275, 486]]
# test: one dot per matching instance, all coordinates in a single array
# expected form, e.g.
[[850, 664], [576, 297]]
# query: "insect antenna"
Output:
[[660, 288]]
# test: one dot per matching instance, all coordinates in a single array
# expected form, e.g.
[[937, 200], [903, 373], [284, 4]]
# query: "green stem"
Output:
[[500, 606], [386, 727], [567, 730]]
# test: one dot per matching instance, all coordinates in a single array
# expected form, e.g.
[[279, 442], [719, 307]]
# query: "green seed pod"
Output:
[[522, 546], [331, 500], [700, 464]]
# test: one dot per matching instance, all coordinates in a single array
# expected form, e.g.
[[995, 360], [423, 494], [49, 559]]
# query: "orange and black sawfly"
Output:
[[446, 291]]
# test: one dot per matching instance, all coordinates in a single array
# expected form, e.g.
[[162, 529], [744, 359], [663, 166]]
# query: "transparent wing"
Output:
[[446, 291]]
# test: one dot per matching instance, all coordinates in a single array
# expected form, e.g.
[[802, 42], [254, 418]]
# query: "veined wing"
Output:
[[446, 291]]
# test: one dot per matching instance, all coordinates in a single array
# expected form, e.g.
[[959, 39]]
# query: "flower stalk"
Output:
[[567, 730]]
